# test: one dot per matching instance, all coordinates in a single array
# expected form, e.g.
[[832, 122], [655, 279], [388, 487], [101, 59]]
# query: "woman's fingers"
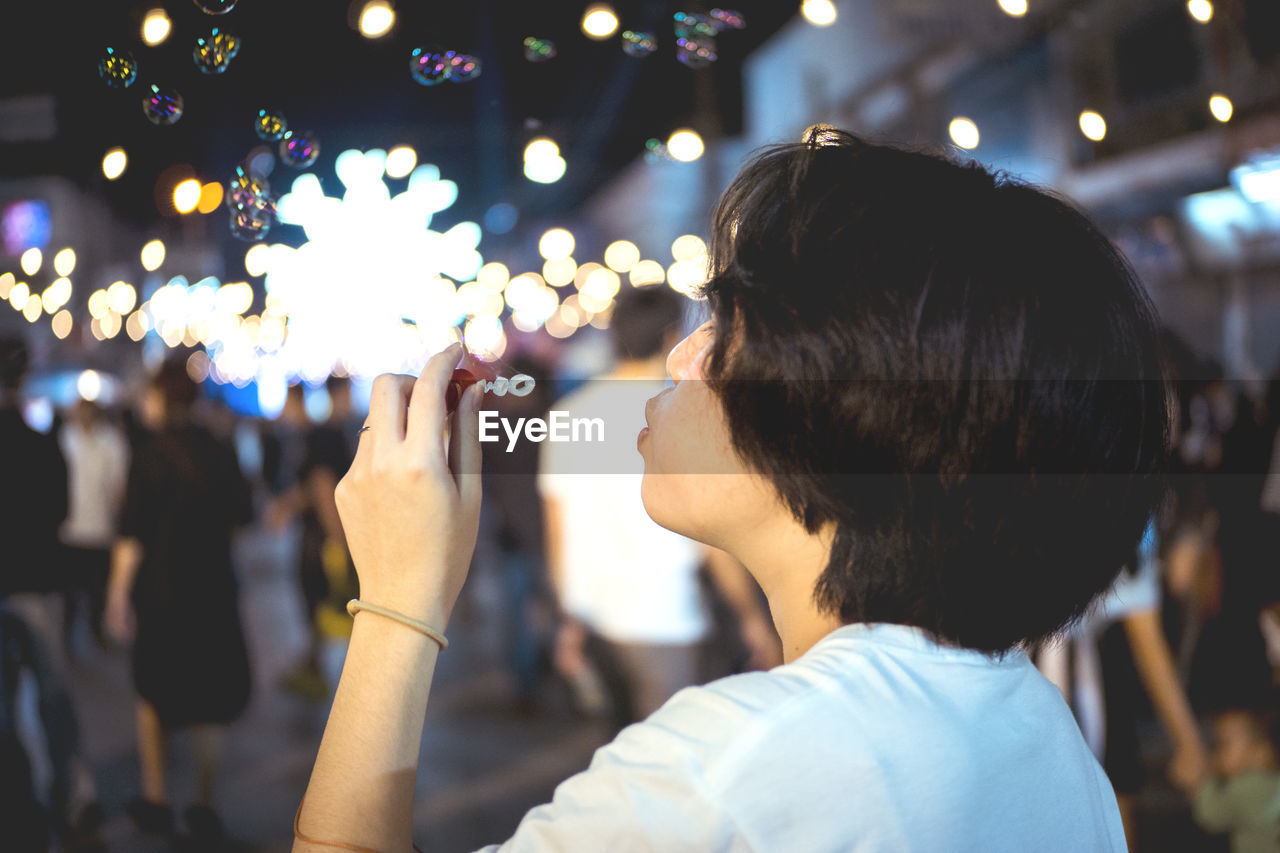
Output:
[[387, 404], [464, 445], [425, 430]]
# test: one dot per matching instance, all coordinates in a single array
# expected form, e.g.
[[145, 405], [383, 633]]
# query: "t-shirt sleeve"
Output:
[[644, 791]]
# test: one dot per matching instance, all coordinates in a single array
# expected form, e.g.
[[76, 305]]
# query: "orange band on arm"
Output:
[[339, 845]]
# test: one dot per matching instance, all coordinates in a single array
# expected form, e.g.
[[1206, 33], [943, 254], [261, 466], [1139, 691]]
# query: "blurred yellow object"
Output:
[[332, 619]]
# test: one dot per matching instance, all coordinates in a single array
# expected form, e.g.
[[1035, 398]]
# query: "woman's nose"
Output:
[[685, 361]]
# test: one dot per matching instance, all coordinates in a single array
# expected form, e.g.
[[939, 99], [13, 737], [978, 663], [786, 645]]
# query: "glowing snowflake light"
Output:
[[368, 290]]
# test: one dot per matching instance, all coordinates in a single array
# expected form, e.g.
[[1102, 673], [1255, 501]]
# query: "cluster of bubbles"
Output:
[[696, 34], [214, 52], [253, 210], [638, 43], [216, 7], [162, 106], [539, 50], [430, 66]]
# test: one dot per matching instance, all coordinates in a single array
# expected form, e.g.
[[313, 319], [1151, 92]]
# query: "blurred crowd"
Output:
[[118, 527]]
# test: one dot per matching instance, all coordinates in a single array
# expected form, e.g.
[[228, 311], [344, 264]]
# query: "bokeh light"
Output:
[[556, 244], [156, 27], [89, 385], [401, 161], [599, 21], [114, 162], [376, 19], [964, 132], [646, 273], [186, 195], [1013, 8], [31, 261], [210, 197], [64, 263], [820, 13], [61, 324], [1221, 107], [152, 255], [1093, 125], [121, 297], [685, 145], [689, 247], [1201, 10], [256, 259], [622, 255]]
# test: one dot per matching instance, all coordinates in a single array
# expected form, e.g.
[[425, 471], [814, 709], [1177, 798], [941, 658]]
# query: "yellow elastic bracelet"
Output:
[[355, 605]]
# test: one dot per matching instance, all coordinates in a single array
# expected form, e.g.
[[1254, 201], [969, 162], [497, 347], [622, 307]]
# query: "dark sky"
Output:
[[303, 58]]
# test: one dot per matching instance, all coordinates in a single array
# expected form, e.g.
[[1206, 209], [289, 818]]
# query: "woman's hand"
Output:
[[410, 504]]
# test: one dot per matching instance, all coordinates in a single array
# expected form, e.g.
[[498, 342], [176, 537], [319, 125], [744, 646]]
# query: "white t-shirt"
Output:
[[97, 468], [877, 739], [627, 578]]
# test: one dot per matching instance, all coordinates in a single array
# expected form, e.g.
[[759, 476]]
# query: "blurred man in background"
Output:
[[629, 592]]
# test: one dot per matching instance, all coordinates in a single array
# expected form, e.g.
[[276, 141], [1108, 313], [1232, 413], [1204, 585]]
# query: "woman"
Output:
[[928, 416], [172, 592]]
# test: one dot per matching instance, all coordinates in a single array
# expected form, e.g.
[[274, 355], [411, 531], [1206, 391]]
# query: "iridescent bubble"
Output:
[[117, 68], [539, 50], [728, 19], [696, 53], [428, 67], [688, 25], [246, 189], [252, 223], [462, 68], [299, 150], [214, 52], [216, 7], [270, 125], [638, 44], [162, 106]]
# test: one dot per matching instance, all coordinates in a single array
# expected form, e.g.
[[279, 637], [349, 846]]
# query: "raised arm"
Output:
[[410, 509]]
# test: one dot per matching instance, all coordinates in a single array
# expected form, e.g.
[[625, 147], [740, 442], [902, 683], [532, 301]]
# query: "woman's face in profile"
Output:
[[694, 483]]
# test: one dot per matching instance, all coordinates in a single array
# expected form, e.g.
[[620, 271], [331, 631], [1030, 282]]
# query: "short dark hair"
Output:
[[642, 319], [176, 386], [955, 369]]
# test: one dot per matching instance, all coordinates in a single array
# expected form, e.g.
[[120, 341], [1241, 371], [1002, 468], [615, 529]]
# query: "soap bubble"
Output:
[[117, 68], [728, 19], [214, 52], [299, 150], [245, 188], [638, 44], [428, 67], [162, 106], [216, 7], [693, 26], [270, 125], [539, 50], [696, 53], [253, 222], [462, 68]]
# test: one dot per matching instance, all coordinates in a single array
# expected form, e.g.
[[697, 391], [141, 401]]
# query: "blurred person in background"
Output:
[[632, 608], [33, 505], [97, 455], [512, 538], [172, 592], [1119, 645], [327, 578], [1241, 796]]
